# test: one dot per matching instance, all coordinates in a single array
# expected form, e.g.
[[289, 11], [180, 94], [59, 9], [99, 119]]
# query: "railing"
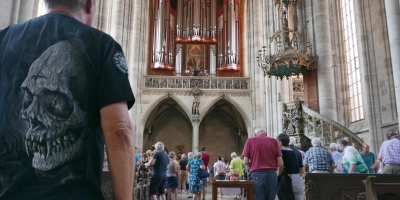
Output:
[[201, 82], [306, 124]]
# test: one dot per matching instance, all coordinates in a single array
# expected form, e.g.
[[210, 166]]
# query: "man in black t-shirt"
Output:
[[183, 173], [64, 92]]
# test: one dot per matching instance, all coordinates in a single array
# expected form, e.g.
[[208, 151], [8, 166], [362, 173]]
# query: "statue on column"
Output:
[[196, 101]]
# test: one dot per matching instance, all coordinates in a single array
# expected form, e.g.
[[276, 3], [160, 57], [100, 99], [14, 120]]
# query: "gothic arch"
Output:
[[229, 100]]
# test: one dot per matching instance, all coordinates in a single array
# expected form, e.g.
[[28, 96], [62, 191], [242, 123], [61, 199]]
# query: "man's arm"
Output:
[[279, 163], [119, 139], [332, 168], [352, 168], [246, 162]]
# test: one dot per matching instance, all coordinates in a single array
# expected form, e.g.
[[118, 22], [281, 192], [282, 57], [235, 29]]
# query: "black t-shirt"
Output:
[[159, 169], [183, 163], [56, 73], [292, 161]]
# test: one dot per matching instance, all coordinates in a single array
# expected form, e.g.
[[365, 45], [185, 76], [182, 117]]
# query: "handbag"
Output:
[[203, 173], [285, 190]]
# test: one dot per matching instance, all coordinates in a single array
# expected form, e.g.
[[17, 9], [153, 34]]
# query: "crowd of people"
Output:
[[277, 165]]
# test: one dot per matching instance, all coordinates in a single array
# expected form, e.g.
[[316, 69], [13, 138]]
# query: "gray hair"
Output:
[[75, 5], [316, 142], [198, 155], [183, 155], [171, 154], [159, 145], [260, 130], [190, 154], [292, 140], [233, 154], [333, 146]]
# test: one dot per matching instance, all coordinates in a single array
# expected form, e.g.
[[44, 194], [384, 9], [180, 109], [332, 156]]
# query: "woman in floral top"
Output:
[[195, 183]]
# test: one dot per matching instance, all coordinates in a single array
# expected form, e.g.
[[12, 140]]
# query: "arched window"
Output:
[[352, 60]]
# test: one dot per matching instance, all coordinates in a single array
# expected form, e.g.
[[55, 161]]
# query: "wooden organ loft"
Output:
[[196, 37]]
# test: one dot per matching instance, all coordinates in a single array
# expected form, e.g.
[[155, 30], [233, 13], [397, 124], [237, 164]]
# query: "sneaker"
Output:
[[179, 191], [190, 197], [183, 191]]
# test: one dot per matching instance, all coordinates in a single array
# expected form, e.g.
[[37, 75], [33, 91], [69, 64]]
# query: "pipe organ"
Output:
[[191, 35]]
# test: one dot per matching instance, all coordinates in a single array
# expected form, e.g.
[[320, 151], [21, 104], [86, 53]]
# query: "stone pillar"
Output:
[[392, 8], [195, 135], [323, 46]]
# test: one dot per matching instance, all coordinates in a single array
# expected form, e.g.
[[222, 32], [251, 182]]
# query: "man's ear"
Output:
[[89, 6]]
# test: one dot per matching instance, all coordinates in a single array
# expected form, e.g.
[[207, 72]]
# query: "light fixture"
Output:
[[286, 60]]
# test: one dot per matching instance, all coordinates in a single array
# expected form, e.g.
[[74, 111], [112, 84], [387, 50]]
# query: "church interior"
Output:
[[208, 72]]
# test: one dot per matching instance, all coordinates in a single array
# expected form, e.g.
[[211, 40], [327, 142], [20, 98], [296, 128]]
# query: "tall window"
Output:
[[352, 61], [41, 8]]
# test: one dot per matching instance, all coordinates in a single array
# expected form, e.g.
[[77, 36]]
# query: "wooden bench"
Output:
[[334, 186], [376, 189]]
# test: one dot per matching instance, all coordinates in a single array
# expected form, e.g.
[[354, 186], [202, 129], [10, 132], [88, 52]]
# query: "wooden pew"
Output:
[[375, 189], [332, 186]]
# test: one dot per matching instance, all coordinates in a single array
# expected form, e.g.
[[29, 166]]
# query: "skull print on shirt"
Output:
[[51, 105]]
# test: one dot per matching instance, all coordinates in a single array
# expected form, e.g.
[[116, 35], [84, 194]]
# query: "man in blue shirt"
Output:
[[159, 163], [319, 159], [368, 157], [137, 157], [335, 154]]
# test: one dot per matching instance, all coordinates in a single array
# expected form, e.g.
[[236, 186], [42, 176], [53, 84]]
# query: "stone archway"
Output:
[[168, 123], [222, 130]]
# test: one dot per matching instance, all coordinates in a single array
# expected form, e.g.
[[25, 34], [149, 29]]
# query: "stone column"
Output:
[[392, 8], [195, 135], [323, 46]]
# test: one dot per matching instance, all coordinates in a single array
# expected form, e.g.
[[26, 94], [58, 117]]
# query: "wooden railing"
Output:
[[304, 123]]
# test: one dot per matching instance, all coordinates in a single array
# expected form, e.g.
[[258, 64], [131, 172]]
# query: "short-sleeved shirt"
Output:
[[219, 167], [369, 159], [137, 158], [183, 163], [352, 156], [336, 157], [390, 151], [56, 74], [292, 161], [237, 163], [159, 168], [263, 153], [319, 159], [206, 158]]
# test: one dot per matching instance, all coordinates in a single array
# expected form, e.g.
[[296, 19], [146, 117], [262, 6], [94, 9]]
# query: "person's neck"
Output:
[[365, 153], [68, 11]]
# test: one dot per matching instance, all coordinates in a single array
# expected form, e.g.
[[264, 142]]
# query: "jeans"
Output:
[[266, 186]]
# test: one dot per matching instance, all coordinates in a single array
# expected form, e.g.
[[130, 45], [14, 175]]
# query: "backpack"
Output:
[[220, 169]]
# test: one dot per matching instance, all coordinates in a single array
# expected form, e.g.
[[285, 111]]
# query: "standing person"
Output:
[[158, 164], [171, 184], [64, 91], [293, 165], [206, 159], [196, 183], [318, 159], [219, 172], [137, 157], [389, 155], [263, 156], [351, 159], [292, 144], [144, 159], [236, 164], [368, 157], [335, 154], [190, 155], [183, 173]]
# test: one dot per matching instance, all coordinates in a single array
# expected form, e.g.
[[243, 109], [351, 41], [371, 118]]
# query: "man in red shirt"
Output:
[[206, 159], [263, 156]]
